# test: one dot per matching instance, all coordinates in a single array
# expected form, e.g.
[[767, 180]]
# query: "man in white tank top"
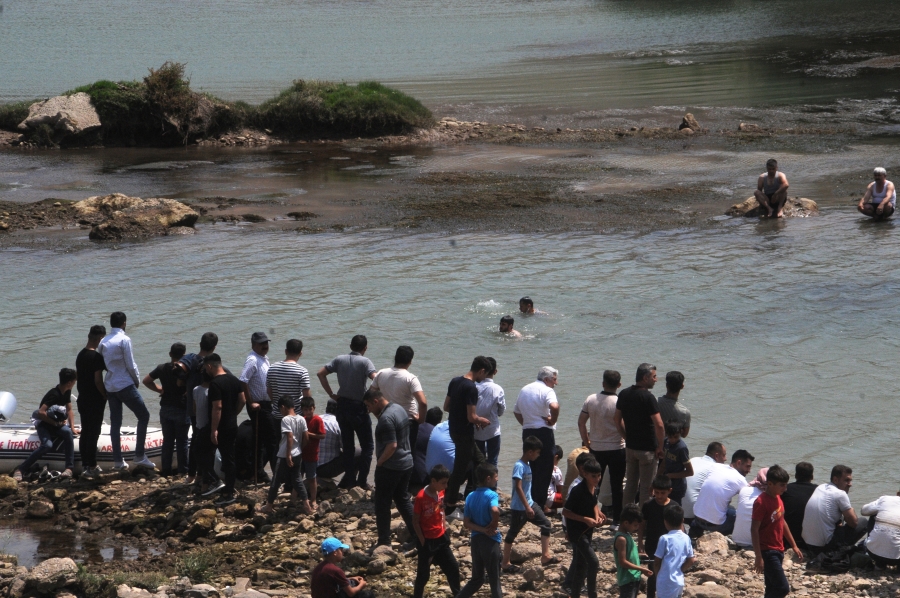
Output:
[[771, 191], [880, 198]]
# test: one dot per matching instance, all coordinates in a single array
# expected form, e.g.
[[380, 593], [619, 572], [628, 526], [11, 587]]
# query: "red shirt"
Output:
[[327, 580], [431, 514], [769, 511], [310, 452]]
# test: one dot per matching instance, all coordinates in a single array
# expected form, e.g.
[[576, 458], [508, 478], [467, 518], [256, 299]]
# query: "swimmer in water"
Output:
[[880, 198], [771, 191], [506, 327], [526, 306]]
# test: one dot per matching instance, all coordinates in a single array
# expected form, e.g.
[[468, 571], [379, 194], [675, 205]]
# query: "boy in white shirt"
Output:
[[293, 438]]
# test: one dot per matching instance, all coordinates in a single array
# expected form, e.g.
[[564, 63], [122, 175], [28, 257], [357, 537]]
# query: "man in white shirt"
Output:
[[121, 383], [491, 405], [537, 409], [259, 406], [822, 527], [399, 385], [715, 453], [604, 440], [743, 522], [712, 511], [883, 542]]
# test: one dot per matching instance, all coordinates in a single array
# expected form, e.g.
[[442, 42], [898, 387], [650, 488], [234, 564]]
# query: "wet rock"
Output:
[[523, 551], [689, 122], [7, 486], [795, 207], [533, 573], [712, 543], [202, 590], [749, 128], [52, 574], [117, 216], [40, 509], [180, 230], [66, 115], [707, 591]]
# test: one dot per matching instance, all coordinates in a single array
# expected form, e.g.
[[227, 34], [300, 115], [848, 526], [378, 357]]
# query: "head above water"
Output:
[[506, 323], [526, 305]]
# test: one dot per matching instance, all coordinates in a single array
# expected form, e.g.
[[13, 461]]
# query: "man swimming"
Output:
[[506, 327], [880, 198], [771, 191]]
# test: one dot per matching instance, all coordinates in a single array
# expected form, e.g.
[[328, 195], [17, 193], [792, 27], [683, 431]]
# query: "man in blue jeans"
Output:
[[353, 370], [121, 382], [50, 423]]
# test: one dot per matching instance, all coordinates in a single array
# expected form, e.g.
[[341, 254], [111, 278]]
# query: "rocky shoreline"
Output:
[[205, 552]]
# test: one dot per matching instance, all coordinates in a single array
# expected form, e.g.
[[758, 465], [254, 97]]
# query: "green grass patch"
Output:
[[197, 566], [12, 114]]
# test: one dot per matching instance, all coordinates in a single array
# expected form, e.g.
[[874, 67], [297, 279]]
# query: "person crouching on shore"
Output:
[[51, 419], [329, 581], [880, 198]]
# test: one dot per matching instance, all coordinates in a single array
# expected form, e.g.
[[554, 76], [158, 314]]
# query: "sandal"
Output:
[[510, 569], [66, 474], [17, 475], [553, 561]]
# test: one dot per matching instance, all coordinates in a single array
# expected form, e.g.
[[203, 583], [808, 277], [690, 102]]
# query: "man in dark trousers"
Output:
[[259, 405], [638, 420], [226, 399], [91, 400], [55, 425]]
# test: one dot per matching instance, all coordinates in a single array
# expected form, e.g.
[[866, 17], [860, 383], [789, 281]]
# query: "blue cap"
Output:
[[331, 544]]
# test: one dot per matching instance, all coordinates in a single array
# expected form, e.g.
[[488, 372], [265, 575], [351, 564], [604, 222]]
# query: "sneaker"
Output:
[[225, 499], [17, 475], [214, 489], [120, 466], [144, 463]]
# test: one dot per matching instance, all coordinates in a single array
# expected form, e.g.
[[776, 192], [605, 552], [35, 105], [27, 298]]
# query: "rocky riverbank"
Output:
[[204, 552]]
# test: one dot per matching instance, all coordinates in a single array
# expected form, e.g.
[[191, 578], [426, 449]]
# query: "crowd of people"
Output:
[[637, 439]]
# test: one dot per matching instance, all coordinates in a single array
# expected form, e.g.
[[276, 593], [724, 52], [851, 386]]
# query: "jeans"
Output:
[[586, 565], [490, 448], [436, 551], [51, 437], [205, 456], [227, 440], [486, 558], [725, 528], [615, 461], [287, 475], [353, 418], [542, 467], [391, 485], [131, 398], [175, 425], [467, 453], [518, 519], [844, 535], [640, 467], [91, 414], [777, 585], [630, 590], [267, 434]]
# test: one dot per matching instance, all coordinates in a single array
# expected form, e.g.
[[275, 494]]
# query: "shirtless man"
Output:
[[880, 198], [506, 327], [771, 191]]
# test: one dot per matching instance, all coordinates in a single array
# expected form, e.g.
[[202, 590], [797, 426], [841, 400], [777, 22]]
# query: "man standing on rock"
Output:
[[259, 406], [670, 409], [121, 383], [537, 409], [638, 420], [353, 371], [288, 378], [91, 400], [394, 464], [226, 398], [192, 365], [771, 191], [880, 198]]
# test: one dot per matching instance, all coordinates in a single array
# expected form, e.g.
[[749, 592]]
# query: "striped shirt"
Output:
[[287, 379], [256, 367]]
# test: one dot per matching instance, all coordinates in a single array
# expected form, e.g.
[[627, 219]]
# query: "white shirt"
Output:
[[533, 404], [202, 406], [722, 484], [601, 412], [741, 533], [121, 370], [884, 539], [822, 513], [702, 466], [399, 386], [295, 425], [491, 405], [330, 447], [256, 369]]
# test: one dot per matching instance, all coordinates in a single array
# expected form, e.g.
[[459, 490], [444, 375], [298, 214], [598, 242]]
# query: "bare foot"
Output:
[[780, 215], [267, 509]]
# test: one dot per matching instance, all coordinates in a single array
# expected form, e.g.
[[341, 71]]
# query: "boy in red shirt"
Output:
[[768, 531], [315, 429], [428, 523]]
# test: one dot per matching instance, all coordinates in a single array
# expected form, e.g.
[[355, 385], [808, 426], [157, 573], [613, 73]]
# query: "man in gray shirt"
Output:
[[353, 372], [394, 466], [670, 410]]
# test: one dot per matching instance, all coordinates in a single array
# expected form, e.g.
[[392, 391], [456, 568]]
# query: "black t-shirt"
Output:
[[656, 525], [462, 393], [225, 388], [581, 502], [55, 397], [795, 498], [638, 406], [87, 364], [169, 376]]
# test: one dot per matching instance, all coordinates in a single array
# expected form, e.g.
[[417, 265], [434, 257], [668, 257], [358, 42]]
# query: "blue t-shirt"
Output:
[[479, 508], [521, 471], [674, 548]]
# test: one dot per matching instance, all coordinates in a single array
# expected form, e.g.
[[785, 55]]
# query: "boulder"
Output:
[[796, 207], [124, 591], [533, 573], [710, 575], [7, 486], [712, 543], [202, 522], [40, 509], [117, 216], [251, 594], [377, 566], [689, 122], [357, 493], [202, 590], [16, 588], [709, 590], [52, 574], [241, 584], [521, 552], [385, 553], [67, 115], [749, 128]]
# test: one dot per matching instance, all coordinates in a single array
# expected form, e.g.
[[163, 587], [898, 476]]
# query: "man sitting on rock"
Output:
[[712, 511], [880, 198], [771, 191], [823, 529]]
